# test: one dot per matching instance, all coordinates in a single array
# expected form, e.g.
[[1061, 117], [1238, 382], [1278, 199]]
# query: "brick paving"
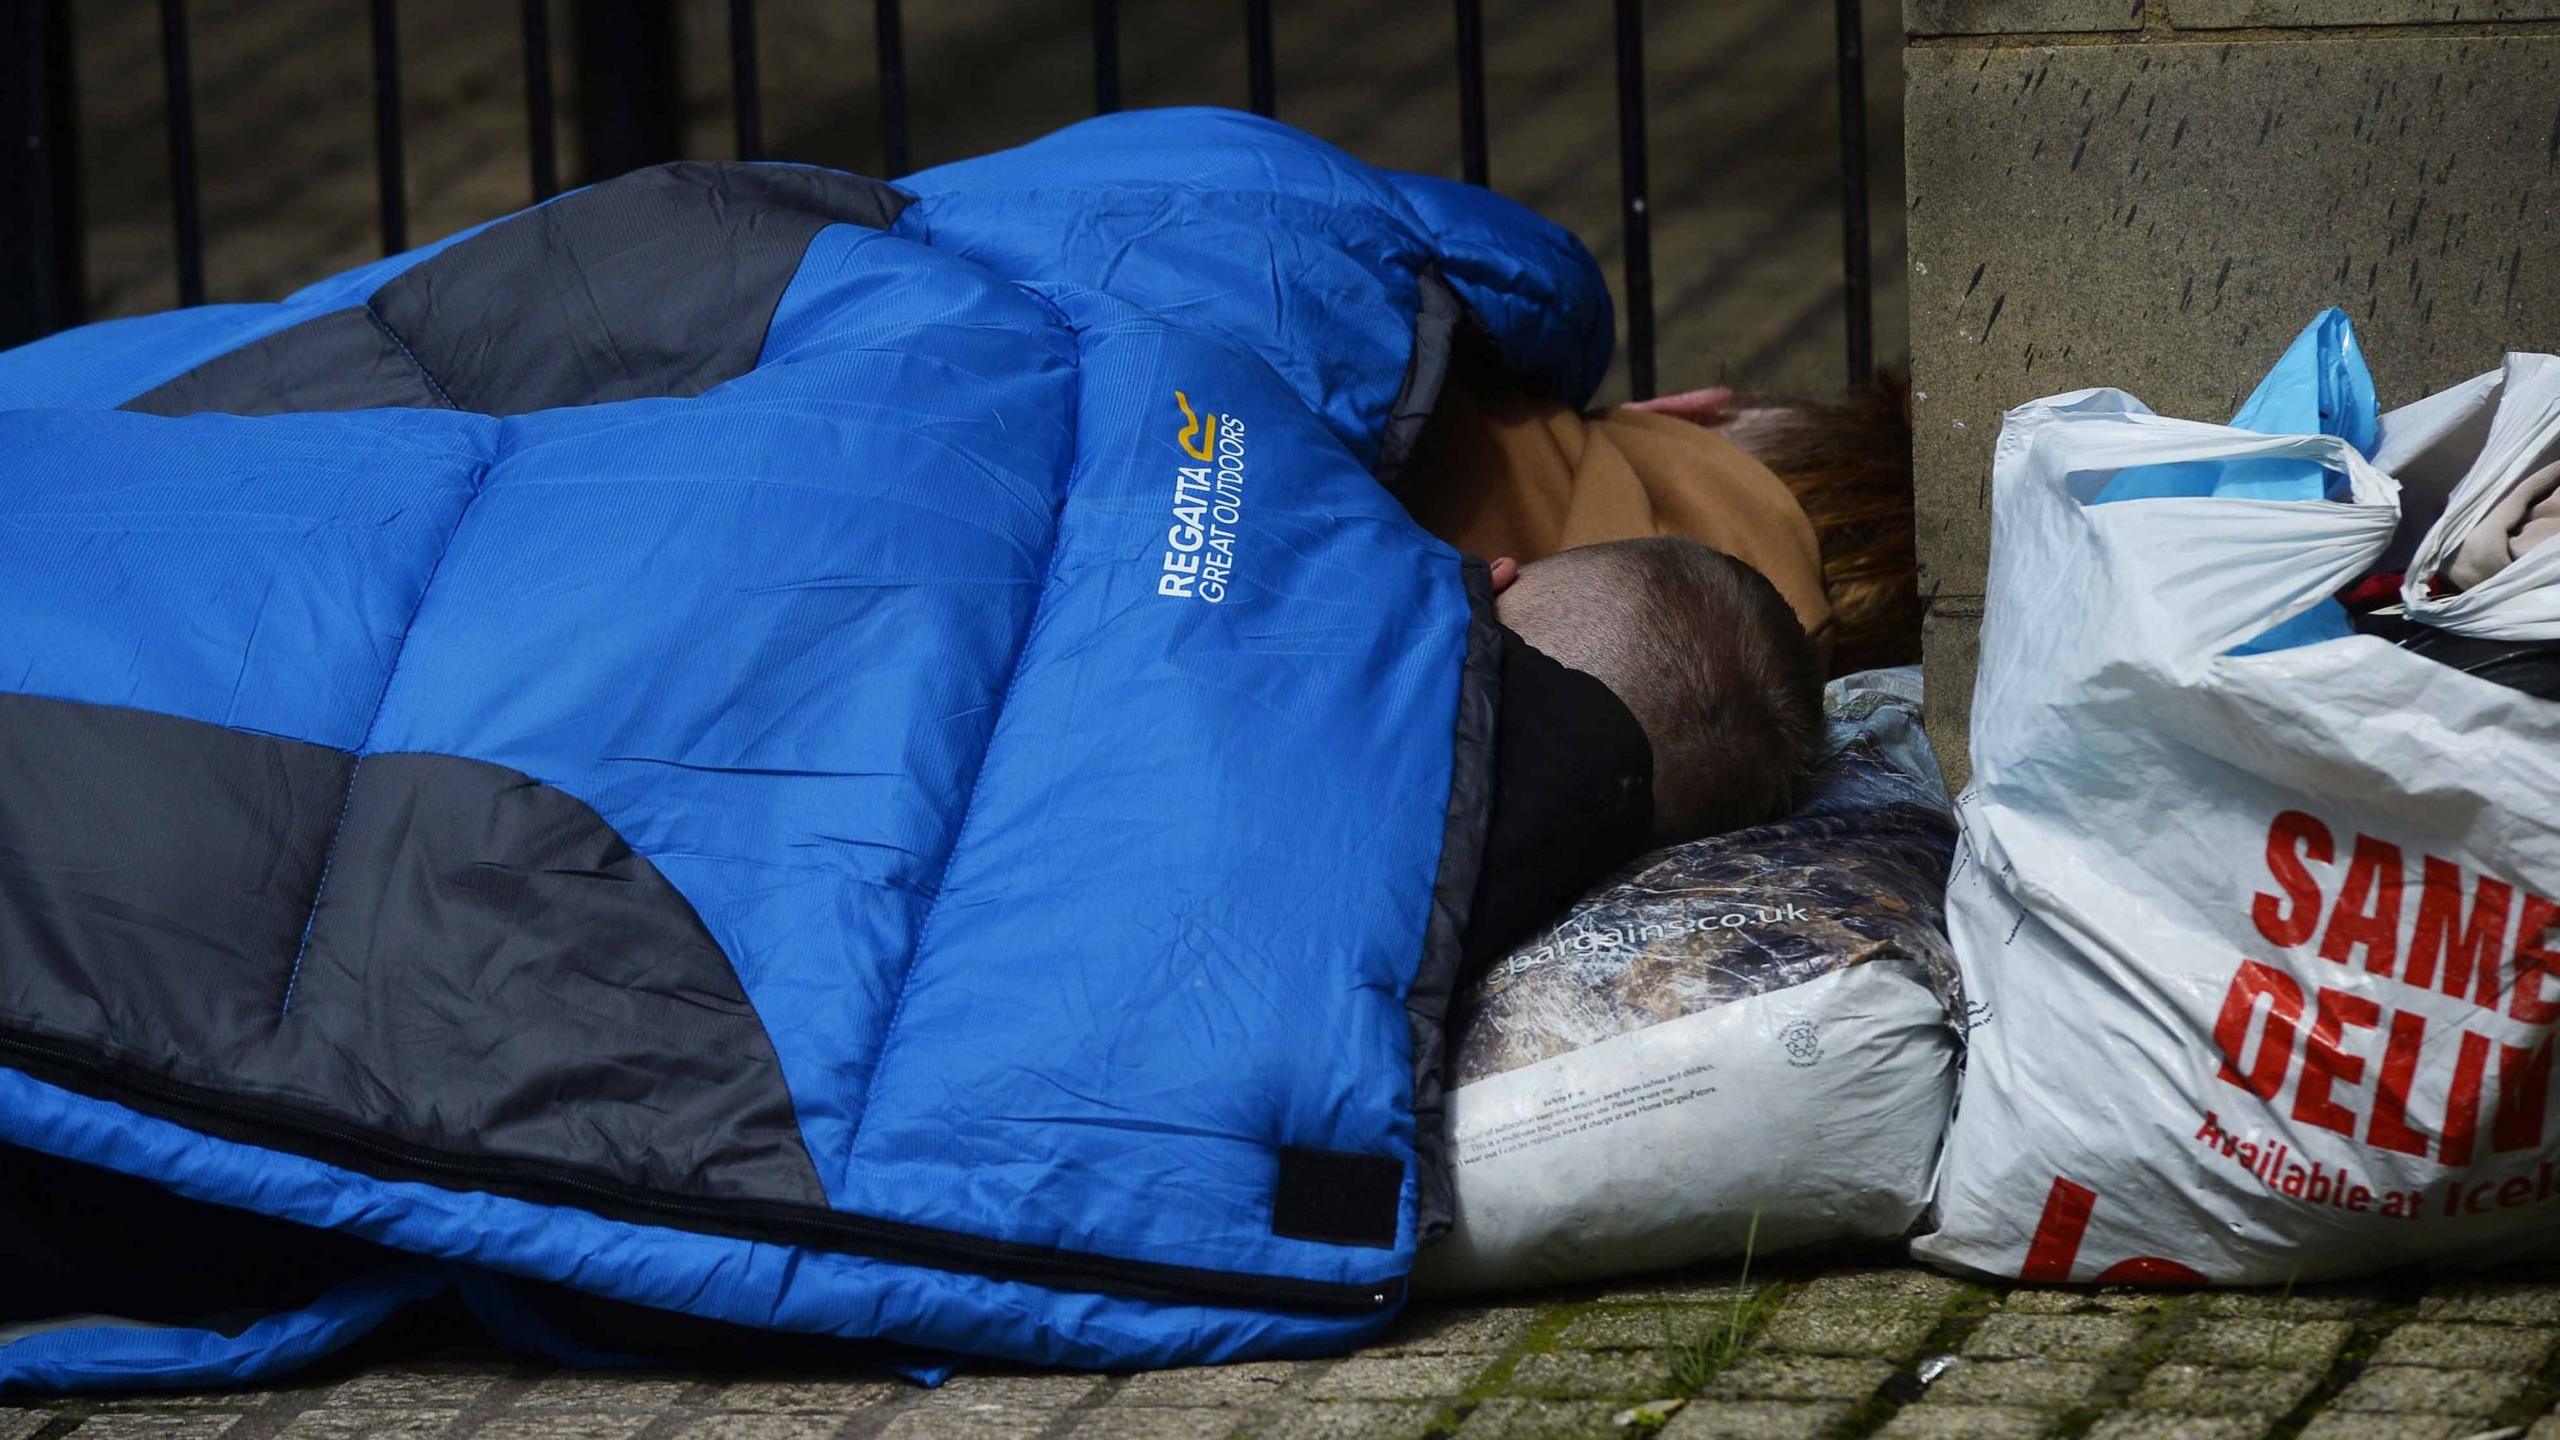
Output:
[[1804, 1352]]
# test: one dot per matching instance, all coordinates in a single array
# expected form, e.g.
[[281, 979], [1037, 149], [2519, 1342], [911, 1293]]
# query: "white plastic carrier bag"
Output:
[[2257, 947], [2521, 601], [1750, 1033]]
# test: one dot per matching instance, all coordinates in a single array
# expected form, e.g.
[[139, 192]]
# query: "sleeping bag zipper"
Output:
[[274, 1127]]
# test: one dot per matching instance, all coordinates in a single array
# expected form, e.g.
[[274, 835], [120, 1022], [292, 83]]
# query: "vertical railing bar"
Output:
[[893, 86], [390, 165], [540, 106], [1261, 83], [1857, 262], [185, 201], [69, 239], [746, 91], [630, 87], [1631, 182], [1106, 56], [31, 288], [1472, 145]]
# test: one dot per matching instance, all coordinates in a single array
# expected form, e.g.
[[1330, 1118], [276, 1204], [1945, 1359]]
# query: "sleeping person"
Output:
[[647, 749], [1667, 638], [1814, 493], [1653, 691]]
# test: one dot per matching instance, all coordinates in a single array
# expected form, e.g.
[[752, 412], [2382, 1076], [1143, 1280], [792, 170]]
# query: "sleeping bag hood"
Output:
[[763, 747]]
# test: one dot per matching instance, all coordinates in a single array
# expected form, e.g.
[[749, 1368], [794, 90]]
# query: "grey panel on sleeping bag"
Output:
[[483, 978], [1437, 315], [344, 360], [659, 283]]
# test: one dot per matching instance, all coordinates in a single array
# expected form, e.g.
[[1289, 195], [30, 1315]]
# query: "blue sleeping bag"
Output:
[[763, 749]]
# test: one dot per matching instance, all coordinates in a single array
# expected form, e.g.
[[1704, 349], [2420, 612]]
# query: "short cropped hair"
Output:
[[1709, 657]]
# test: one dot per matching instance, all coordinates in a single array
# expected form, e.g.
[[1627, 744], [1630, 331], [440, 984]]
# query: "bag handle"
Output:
[[2210, 573], [2112, 440], [2521, 601]]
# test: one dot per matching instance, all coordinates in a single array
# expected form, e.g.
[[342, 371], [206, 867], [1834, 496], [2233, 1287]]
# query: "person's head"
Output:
[[1847, 459], [1705, 653]]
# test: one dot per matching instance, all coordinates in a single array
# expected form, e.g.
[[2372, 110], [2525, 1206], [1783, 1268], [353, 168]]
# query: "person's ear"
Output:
[[1711, 406], [1505, 570]]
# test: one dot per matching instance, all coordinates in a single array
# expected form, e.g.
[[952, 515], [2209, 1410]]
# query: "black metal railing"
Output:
[[392, 174], [177, 79], [626, 56], [541, 117]]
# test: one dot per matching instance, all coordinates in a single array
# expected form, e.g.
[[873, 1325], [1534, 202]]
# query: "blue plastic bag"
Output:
[[2319, 387]]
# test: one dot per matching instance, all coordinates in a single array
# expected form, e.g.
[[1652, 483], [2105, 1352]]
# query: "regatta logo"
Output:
[[1195, 443], [1208, 507]]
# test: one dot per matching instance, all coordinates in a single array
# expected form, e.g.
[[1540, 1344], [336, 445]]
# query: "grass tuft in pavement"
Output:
[[1702, 1352]]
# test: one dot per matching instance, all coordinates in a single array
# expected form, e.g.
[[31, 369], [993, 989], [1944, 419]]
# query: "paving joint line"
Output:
[[2161, 1330], [2346, 1366], [489, 1404], [1064, 1422], [2240, 35], [699, 1401], [2540, 1398], [1495, 1378], [1963, 1314]]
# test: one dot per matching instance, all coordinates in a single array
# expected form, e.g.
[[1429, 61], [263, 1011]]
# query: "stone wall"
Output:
[[2158, 195]]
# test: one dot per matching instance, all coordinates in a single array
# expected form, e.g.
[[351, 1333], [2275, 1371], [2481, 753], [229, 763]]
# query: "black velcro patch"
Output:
[[1340, 1197]]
